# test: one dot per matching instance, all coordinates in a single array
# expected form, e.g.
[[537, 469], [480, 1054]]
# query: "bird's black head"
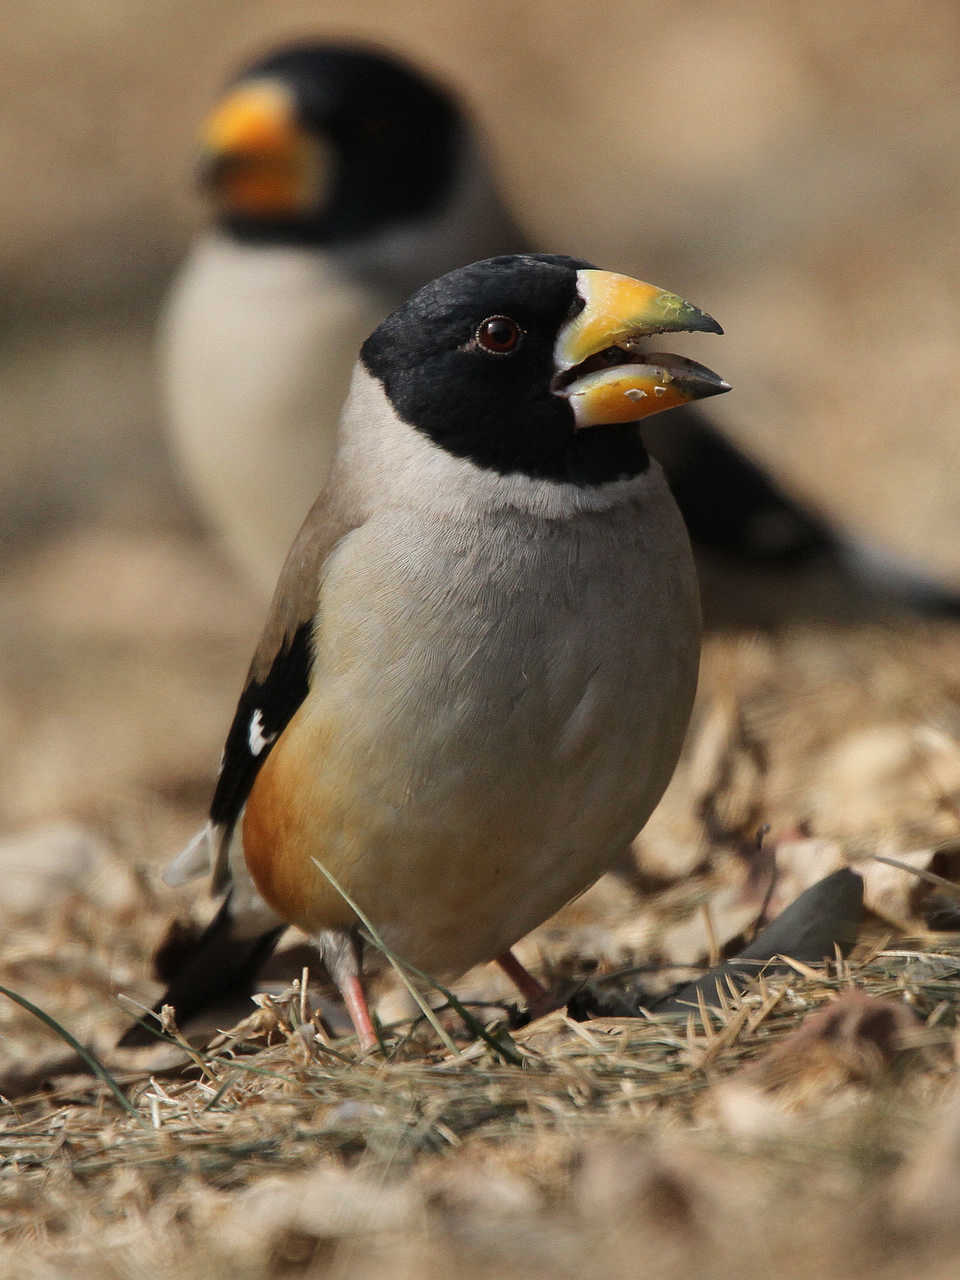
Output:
[[324, 144], [508, 361]]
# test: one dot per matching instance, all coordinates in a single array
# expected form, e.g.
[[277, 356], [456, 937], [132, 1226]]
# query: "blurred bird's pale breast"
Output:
[[258, 343]]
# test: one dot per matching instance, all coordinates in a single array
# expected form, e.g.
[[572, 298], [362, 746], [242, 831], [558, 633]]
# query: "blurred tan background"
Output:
[[794, 169]]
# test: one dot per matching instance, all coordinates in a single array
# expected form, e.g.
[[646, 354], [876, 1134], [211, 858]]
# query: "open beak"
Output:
[[602, 366], [256, 160]]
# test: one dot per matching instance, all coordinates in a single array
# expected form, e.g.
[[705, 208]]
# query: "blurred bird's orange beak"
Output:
[[256, 160], [600, 366]]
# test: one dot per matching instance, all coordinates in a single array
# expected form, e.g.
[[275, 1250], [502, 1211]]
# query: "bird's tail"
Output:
[[224, 961]]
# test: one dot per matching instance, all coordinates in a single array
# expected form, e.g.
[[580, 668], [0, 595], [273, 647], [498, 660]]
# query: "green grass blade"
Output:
[[396, 962], [505, 1047], [502, 1045], [86, 1055]]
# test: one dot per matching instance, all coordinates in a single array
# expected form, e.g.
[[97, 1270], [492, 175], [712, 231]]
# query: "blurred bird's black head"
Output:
[[323, 144], [529, 364]]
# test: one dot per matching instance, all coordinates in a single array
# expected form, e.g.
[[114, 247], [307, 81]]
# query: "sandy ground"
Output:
[[794, 171]]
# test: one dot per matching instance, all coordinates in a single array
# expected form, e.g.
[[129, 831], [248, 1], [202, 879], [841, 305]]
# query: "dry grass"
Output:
[[279, 1149]]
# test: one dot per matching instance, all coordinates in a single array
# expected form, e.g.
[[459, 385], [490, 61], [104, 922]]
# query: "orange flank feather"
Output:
[[286, 818]]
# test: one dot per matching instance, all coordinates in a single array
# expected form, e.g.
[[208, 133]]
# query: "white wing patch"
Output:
[[256, 738]]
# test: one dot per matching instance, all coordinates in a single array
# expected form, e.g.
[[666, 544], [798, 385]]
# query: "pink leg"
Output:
[[535, 994], [341, 955], [352, 991]]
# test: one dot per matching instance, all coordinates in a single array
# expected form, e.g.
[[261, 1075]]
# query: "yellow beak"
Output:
[[256, 160], [599, 367]]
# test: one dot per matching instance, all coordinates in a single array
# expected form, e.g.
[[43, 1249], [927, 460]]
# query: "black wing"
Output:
[[228, 955], [265, 708]]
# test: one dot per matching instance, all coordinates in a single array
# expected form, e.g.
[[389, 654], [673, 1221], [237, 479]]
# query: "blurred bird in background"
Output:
[[340, 179]]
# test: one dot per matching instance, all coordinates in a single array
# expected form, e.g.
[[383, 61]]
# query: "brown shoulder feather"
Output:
[[280, 673]]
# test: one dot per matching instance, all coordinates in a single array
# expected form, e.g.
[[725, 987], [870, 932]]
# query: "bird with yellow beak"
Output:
[[481, 656]]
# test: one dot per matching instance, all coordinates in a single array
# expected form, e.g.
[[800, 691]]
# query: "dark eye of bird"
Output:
[[499, 335]]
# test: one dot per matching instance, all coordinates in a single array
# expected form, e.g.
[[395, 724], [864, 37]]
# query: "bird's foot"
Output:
[[540, 999]]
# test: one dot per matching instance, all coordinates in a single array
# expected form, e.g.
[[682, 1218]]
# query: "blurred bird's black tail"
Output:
[[731, 504], [201, 971]]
